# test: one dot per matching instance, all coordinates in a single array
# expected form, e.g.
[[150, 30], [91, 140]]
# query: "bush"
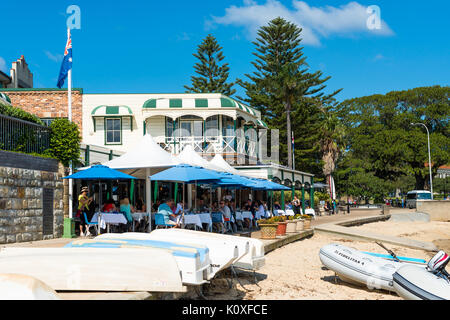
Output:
[[19, 114], [64, 141]]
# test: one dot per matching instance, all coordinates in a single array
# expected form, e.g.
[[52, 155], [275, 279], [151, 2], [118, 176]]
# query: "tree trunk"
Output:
[[420, 182], [289, 137]]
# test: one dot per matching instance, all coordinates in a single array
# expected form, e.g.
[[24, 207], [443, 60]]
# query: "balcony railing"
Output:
[[210, 144]]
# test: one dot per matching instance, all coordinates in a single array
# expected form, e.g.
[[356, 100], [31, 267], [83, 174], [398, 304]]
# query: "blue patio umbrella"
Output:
[[99, 172], [185, 173]]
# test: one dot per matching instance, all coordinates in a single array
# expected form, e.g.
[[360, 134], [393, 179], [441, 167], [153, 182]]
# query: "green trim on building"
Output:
[[201, 103], [112, 110], [176, 103], [121, 131], [227, 103], [149, 104]]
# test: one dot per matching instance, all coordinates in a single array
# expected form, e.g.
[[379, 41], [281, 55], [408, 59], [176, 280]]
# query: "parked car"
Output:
[[414, 195]]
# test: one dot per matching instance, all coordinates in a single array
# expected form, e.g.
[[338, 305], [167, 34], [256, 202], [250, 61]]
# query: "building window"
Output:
[[113, 132], [48, 121]]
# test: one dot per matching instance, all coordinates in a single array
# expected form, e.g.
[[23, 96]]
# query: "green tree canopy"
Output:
[[212, 77], [380, 131]]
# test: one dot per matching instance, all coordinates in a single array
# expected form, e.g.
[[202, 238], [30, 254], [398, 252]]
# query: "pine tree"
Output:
[[282, 87], [212, 76]]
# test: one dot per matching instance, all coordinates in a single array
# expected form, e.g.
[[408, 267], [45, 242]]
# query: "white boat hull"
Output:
[[221, 254], [254, 259], [415, 283], [356, 267], [95, 269], [193, 270], [23, 287]]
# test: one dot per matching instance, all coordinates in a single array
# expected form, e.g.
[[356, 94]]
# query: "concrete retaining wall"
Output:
[[439, 210]]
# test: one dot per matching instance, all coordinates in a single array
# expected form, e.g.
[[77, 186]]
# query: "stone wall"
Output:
[[48, 103], [31, 198], [439, 210]]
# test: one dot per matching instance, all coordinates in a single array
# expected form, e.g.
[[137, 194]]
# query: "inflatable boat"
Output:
[[360, 268], [415, 283]]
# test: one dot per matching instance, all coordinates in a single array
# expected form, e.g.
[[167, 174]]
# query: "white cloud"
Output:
[[378, 57], [3, 65], [54, 57], [316, 22]]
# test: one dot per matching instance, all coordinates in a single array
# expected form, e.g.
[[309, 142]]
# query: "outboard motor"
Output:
[[438, 263]]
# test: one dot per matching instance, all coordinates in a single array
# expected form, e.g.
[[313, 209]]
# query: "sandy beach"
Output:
[[296, 272]]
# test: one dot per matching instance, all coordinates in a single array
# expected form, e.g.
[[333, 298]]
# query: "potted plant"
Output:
[[300, 222], [281, 228], [291, 226], [306, 221], [268, 228]]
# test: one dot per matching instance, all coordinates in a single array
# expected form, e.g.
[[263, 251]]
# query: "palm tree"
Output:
[[331, 143]]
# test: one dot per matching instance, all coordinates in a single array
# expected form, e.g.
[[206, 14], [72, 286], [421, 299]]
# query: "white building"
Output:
[[210, 122]]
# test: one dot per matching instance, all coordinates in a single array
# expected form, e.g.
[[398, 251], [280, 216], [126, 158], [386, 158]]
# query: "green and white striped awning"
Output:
[[104, 111], [193, 103], [262, 123], [5, 97]]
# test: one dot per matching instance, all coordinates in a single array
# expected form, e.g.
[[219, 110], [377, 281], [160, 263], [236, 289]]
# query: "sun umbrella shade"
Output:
[[100, 172], [187, 174]]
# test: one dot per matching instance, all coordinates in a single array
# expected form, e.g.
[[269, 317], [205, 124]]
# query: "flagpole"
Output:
[[69, 98]]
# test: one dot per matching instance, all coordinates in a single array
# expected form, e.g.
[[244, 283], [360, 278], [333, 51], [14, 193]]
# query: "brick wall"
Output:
[[47, 103]]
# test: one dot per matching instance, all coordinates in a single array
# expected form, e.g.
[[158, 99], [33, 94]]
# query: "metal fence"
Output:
[[23, 136]]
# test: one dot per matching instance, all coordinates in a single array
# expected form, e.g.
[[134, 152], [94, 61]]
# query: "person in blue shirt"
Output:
[[165, 209]]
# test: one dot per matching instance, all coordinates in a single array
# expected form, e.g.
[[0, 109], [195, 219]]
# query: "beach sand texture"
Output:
[[296, 272]]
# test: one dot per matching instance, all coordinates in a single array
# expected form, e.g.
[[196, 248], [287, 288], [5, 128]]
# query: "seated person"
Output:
[[109, 206], [261, 213], [202, 207], [127, 209], [140, 205], [276, 206], [166, 211]]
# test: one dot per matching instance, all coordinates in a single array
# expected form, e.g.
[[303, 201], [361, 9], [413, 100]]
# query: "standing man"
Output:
[[83, 207]]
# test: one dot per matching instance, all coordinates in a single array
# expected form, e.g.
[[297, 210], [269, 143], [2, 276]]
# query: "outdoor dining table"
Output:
[[290, 212], [105, 219], [206, 218], [193, 219], [139, 216], [247, 214]]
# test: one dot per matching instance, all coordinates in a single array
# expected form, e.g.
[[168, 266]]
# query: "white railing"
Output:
[[210, 144]]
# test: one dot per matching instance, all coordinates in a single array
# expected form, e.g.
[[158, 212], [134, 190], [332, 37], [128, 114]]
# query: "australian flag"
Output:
[[67, 61]]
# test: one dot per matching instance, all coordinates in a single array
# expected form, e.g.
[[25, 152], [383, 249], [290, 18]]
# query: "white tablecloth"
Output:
[[108, 218], [310, 211], [279, 212], [290, 212], [247, 214], [193, 219], [138, 216], [205, 218]]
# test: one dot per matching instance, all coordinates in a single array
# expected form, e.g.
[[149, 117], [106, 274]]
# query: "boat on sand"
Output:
[[221, 253], [356, 267], [96, 269], [193, 262]]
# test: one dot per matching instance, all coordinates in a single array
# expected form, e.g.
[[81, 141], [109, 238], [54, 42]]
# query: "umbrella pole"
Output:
[[148, 197]]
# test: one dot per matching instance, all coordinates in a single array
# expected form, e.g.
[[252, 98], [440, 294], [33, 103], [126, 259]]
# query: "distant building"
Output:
[[20, 76]]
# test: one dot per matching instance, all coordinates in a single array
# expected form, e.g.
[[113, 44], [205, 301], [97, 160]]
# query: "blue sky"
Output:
[[147, 46]]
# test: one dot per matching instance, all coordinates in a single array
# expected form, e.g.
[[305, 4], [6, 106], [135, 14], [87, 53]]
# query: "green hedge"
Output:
[[19, 114]]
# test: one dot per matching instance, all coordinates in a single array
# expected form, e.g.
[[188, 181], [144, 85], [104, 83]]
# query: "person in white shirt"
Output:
[[225, 209], [261, 213]]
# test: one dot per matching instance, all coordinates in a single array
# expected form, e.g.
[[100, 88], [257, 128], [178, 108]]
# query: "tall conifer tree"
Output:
[[283, 89], [212, 77]]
